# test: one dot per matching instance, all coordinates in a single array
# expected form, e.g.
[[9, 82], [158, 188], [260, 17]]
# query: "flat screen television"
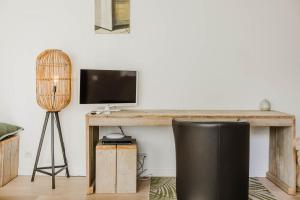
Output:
[[108, 87]]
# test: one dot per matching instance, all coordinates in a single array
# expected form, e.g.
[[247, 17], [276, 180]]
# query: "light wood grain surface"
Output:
[[126, 168], [74, 189], [282, 157], [9, 159], [106, 163], [204, 113], [66, 189], [165, 117]]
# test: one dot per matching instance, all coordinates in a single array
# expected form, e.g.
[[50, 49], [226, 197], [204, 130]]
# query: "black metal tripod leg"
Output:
[[52, 151], [40, 146], [62, 143]]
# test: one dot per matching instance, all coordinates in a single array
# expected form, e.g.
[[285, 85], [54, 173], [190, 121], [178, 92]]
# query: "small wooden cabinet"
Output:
[[116, 168]]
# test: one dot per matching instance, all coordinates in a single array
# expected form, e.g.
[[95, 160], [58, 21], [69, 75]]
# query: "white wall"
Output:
[[196, 54]]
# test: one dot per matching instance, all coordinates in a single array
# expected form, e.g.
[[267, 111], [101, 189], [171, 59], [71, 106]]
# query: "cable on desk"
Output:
[[120, 127]]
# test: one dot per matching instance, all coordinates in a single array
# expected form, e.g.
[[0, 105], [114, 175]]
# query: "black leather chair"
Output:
[[212, 160]]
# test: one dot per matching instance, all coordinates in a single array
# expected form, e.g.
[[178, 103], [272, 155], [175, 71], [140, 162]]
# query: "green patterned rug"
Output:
[[164, 188]]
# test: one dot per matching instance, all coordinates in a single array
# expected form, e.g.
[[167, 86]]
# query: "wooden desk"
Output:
[[282, 155]]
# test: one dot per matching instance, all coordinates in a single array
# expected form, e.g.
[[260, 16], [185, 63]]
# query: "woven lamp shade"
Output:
[[53, 80]]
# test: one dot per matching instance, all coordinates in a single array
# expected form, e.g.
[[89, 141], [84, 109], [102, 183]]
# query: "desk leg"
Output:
[[282, 158], [92, 138]]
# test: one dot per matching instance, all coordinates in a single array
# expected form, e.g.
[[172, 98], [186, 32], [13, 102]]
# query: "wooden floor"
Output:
[[74, 189]]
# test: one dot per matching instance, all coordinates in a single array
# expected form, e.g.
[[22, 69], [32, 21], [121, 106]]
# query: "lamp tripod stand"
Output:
[[54, 117]]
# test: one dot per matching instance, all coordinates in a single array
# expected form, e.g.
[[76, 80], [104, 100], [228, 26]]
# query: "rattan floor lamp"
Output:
[[53, 93]]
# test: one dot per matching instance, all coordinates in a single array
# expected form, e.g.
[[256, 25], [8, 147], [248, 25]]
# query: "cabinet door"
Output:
[[106, 163], [103, 14], [126, 168]]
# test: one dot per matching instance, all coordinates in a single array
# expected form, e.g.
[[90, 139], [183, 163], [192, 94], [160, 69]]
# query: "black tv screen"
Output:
[[108, 87]]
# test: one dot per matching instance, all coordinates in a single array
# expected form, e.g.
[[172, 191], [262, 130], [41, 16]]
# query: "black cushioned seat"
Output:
[[212, 160]]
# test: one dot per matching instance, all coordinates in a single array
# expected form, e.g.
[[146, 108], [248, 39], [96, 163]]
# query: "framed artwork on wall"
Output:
[[112, 16]]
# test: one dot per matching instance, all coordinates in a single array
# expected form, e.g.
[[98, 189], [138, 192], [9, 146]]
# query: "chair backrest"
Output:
[[212, 160]]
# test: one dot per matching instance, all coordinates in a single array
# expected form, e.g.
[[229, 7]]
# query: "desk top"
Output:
[[195, 113], [164, 117]]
